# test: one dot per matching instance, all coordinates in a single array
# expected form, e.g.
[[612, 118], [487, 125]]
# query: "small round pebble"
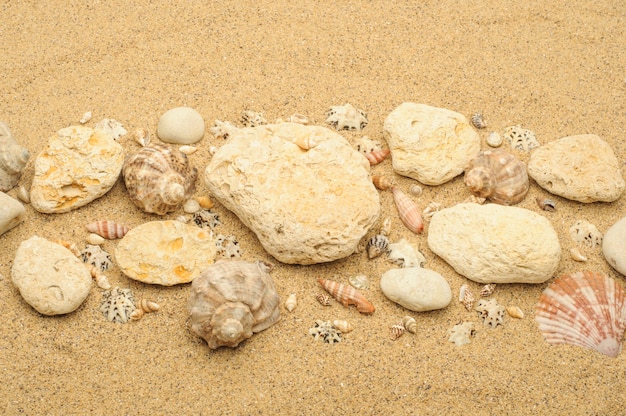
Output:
[[181, 125]]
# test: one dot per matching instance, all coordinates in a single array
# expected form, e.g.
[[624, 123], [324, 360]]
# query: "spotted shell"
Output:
[[497, 176], [585, 309], [13, 159], [377, 245], [232, 300], [408, 211], [347, 295], [159, 178], [107, 229]]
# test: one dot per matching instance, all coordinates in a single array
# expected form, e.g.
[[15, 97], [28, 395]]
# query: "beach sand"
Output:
[[557, 70]]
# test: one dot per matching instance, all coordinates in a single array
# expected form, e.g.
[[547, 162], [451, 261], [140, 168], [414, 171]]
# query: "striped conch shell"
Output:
[[108, 229], [408, 211], [159, 178], [347, 295], [498, 176], [377, 156], [13, 159], [585, 309]]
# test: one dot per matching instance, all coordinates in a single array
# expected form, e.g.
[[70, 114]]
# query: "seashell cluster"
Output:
[[13, 159], [490, 312], [520, 139], [585, 309], [117, 305], [347, 295], [346, 117], [159, 178], [232, 300], [376, 246], [584, 232], [97, 257], [108, 229], [408, 211], [497, 176], [325, 331]]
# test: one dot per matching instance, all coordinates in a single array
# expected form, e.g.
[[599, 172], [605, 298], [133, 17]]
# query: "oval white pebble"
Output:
[[416, 289], [614, 246], [191, 206], [181, 125]]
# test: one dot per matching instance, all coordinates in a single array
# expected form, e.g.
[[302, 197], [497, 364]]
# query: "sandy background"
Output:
[[557, 70]]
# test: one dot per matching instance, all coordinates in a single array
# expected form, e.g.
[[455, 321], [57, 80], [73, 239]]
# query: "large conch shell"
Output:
[[497, 176], [159, 179], [13, 158], [232, 300]]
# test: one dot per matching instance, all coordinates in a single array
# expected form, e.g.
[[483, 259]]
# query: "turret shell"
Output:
[[497, 176], [13, 159], [159, 178], [408, 211]]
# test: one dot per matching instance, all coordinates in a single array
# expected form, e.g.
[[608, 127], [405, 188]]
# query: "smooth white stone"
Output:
[[614, 246], [181, 125], [416, 289]]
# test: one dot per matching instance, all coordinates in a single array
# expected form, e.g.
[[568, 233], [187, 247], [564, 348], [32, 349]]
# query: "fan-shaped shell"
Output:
[[159, 178], [13, 159], [231, 300], [408, 211], [498, 176], [585, 309]]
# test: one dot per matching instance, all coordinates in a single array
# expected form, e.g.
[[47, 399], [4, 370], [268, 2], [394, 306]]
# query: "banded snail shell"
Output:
[[408, 211]]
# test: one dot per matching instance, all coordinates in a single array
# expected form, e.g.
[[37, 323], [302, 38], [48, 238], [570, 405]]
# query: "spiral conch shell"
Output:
[[232, 300], [497, 176], [159, 178], [13, 158]]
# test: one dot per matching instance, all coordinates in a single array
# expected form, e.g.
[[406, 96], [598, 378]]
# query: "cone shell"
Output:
[[497, 176], [347, 295], [585, 309], [159, 178], [377, 156], [291, 302], [107, 229], [408, 211], [13, 159]]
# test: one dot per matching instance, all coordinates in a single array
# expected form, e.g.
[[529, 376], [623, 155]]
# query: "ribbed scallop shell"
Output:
[[159, 178], [585, 309], [347, 295], [408, 211], [13, 159], [497, 176]]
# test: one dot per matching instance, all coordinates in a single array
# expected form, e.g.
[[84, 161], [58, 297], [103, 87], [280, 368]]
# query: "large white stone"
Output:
[[582, 168], [614, 246], [12, 212], [416, 289], [429, 144], [495, 244], [305, 206], [78, 165], [49, 277], [180, 125]]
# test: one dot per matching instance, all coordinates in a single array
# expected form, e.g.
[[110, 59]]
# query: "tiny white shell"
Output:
[[191, 206], [415, 190], [385, 228], [291, 302], [466, 297], [577, 255], [23, 194], [410, 324], [494, 139], [148, 306], [212, 150], [85, 118], [95, 239], [142, 136], [188, 150]]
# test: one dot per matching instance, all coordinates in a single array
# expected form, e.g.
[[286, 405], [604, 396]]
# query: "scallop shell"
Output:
[[377, 156], [377, 245], [159, 178], [117, 305], [232, 300], [466, 297], [585, 309], [107, 229], [291, 302], [396, 331], [408, 211], [343, 326], [382, 182], [478, 121], [13, 159], [497, 176], [347, 295], [410, 324], [359, 281]]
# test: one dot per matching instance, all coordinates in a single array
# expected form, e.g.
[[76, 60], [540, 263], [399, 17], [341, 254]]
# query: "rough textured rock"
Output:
[[49, 277], [165, 252], [181, 125], [416, 289], [495, 244], [78, 165], [430, 144], [582, 168], [614, 246], [12, 212], [305, 206]]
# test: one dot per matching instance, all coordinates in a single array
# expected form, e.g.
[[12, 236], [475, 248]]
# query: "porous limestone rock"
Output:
[[180, 125], [78, 165], [614, 246], [429, 144], [165, 252], [416, 289], [12, 212], [49, 277], [495, 244], [303, 190], [582, 168]]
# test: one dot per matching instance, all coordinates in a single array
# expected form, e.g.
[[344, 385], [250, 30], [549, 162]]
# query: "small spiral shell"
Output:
[[323, 299], [148, 306], [487, 290], [305, 142], [137, 314], [291, 302], [408, 211], [377, 156], [416, 190], [396, 331], [410, 324], [478, 121], [376, 246], [577, 255], [466, 297], [385, 228], [381, 182]]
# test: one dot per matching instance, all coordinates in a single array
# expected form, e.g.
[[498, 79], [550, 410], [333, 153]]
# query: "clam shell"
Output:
[[291, 302], [347, 295], [497, 176], [377, 245], [585, 309], [408, 211], [359, 281], [108, 229]]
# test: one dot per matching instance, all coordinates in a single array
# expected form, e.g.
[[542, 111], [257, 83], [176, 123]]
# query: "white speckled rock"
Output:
[[12, 212], [614, 246], [429, 144], [495, 244], [181, 125], [78, 165], [165, 252], [305, 206], [416, 289], [582, 168], [49, 277]]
